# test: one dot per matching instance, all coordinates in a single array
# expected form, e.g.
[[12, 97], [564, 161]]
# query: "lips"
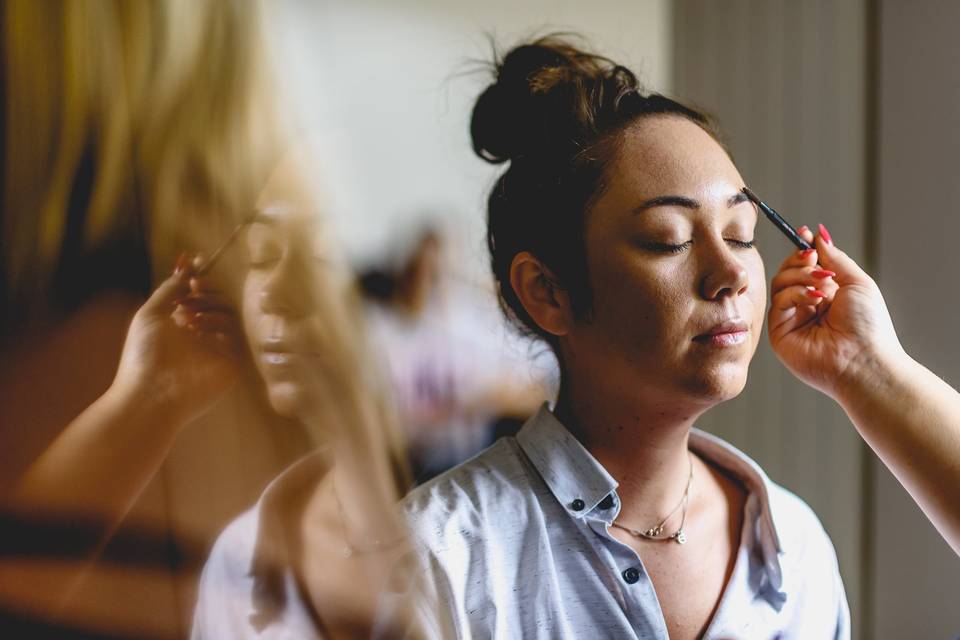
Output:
[[280, 352], [729, 332]]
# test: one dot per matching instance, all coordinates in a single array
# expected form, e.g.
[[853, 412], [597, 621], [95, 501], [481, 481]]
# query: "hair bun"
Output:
[[534, 107]]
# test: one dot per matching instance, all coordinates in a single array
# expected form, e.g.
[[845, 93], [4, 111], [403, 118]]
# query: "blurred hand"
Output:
[[828, 322], [183, 348]]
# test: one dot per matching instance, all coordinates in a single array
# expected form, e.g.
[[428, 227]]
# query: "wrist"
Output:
[[872, 371], [143, 403]]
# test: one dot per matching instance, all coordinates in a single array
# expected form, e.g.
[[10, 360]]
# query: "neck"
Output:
[[642, 444]]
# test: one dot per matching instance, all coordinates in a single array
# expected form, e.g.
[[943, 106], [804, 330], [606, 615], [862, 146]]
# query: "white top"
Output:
[[515, 544], [249, 590]]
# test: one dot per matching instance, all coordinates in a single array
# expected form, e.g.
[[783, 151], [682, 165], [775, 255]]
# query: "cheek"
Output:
[[250, 306], [758, 285], [639, 298]]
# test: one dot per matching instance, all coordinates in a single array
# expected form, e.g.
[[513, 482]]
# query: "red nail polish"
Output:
[[822, 273], [813, 293], [825, 234], [806, 252], [802, 230], [181, 263]]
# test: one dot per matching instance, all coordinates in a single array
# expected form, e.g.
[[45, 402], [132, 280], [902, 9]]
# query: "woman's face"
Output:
[[287, 297], [678, 291]]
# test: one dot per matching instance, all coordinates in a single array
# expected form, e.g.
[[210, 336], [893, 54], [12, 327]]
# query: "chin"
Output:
[[721, 384], [286, 399]]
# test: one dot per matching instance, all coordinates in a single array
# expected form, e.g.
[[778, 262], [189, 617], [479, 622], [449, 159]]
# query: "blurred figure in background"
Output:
[[459, 381], [132, 132]]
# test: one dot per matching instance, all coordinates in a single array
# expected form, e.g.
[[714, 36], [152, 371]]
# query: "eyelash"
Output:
[[678, 248]]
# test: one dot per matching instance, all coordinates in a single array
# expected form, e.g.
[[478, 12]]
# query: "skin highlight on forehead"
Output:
[[667, 155]]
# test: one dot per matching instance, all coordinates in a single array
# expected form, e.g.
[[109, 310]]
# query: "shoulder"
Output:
[[470, 494], [234, 546], [796, 526], [227, 568], [808, 562], [805, 543]]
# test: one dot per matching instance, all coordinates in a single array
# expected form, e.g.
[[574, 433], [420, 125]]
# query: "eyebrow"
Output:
[[685, 202]]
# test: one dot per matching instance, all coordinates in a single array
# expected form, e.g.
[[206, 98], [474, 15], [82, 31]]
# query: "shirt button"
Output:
[[578, 505], [606, 503], [631, 575]]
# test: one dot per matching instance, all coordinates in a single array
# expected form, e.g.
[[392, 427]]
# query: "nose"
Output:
[[724, 274], [282, 291]]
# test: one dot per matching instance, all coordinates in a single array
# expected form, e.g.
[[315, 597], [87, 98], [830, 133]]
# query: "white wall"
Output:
[[385, 86]]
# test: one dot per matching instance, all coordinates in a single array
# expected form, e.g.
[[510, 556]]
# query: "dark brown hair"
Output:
[[557, 114]]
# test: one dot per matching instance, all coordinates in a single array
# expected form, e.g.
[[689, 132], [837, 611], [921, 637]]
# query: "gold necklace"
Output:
[[656, 532]]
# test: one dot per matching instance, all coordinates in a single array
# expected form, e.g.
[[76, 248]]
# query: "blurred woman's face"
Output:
[[678, 289], [284, 292]]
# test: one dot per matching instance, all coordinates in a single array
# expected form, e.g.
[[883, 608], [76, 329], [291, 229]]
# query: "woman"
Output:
[[620, 235], [318, 554]]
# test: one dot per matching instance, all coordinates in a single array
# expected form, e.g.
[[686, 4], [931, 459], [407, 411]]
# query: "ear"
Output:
[[540, 294]]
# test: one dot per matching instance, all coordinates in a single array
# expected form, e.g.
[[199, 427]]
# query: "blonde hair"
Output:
[[167, 97], [172, 99]]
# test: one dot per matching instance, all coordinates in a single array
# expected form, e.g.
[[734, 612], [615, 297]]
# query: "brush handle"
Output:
[[778, 220]]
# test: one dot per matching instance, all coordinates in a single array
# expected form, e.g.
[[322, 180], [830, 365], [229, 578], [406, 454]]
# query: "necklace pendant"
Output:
[[681, 537], [347, 551]]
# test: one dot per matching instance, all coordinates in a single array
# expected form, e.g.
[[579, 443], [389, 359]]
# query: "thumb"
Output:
[[830, 257]]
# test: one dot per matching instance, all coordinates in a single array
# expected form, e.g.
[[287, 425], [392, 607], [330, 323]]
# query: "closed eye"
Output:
[[662, 247]]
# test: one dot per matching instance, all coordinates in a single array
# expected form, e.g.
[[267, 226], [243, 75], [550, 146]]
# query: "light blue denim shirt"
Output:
[[515, 543]]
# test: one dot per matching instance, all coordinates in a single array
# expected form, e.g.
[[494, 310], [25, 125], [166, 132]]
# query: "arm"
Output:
[[911, 420], [102, 460], [179, 356], [844, 344]]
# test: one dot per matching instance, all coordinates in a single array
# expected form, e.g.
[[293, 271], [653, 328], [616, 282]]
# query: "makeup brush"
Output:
[[206, 266], [778, 220]]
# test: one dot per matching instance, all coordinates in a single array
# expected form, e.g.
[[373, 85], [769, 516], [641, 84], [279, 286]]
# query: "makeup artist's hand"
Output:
[[844, 344], [828, 322], [183, 348]]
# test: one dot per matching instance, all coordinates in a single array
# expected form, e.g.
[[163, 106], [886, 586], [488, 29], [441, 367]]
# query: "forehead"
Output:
[[291, 201], [662, 155]]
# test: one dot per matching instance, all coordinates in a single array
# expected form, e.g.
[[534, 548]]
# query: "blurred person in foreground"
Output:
[[322, 552], [132, 132], [457, 378]]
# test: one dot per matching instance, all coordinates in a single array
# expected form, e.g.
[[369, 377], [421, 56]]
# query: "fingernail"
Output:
[[825, 234], [181, 263], [806, 252], [822, 273], [813, 293], [802, 230]]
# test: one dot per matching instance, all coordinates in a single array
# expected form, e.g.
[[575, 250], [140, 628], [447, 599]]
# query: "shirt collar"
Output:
[[579, 482], [765, 538], [573, 475]]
